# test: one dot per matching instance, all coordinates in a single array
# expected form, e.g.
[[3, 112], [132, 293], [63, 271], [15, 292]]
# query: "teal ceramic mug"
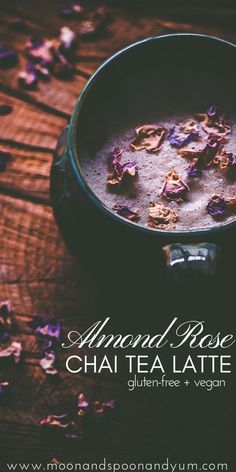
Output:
[[179, 71]]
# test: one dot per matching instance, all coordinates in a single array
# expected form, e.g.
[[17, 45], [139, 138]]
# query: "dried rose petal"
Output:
[[159, 215], [82, 401], [149, 137], [48, 363], [5, 109], [179, 140], [56, 421], [67, 39], [4, 390], [175, 188], [216, 206], [51, 330], [28, 78], [44, 327], [40, 50], [189, 126], [8, 57], [5, 157], [227, 160], [126, 212], [194, 169], [206, 156], [13, 351], [214, 123], [119, 171]]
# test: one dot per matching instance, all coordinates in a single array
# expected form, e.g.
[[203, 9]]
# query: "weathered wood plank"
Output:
[[27, 173], [27, 124]]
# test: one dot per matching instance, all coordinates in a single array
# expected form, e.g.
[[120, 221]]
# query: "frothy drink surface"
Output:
[[152, 168]]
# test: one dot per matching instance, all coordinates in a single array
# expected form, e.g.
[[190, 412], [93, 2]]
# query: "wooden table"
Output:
[[37, 273]]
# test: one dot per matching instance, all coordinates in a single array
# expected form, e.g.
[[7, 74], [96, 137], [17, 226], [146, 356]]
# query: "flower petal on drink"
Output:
[[159, 215], [180, 139], [216, 206], [189, 126], [227, 160], [149, 137], [175, 188], [194, 169], [119, 171], [213, 122], [207, 155], [127, 213]]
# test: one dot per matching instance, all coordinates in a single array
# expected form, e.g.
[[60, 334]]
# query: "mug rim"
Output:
[[73, 147]]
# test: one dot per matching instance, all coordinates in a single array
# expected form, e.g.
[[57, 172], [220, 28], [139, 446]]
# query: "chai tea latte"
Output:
[[178, 174]]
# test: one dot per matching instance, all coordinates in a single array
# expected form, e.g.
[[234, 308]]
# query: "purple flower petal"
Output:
[[126, 212], [216, 206], [206, 156], [8, 57], [175, 188], [179, 140], [227, 160], [48, 363], [194, 169], [103, 408], [40, 51], [28, 78], [46, 328], [50, 330], [82, 401], [119, 171], [13, 352], [212, 111]]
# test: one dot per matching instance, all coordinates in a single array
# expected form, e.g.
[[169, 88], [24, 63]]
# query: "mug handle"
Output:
[[185, 262]]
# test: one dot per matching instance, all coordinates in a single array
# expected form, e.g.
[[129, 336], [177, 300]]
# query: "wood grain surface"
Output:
[[36, 271]]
